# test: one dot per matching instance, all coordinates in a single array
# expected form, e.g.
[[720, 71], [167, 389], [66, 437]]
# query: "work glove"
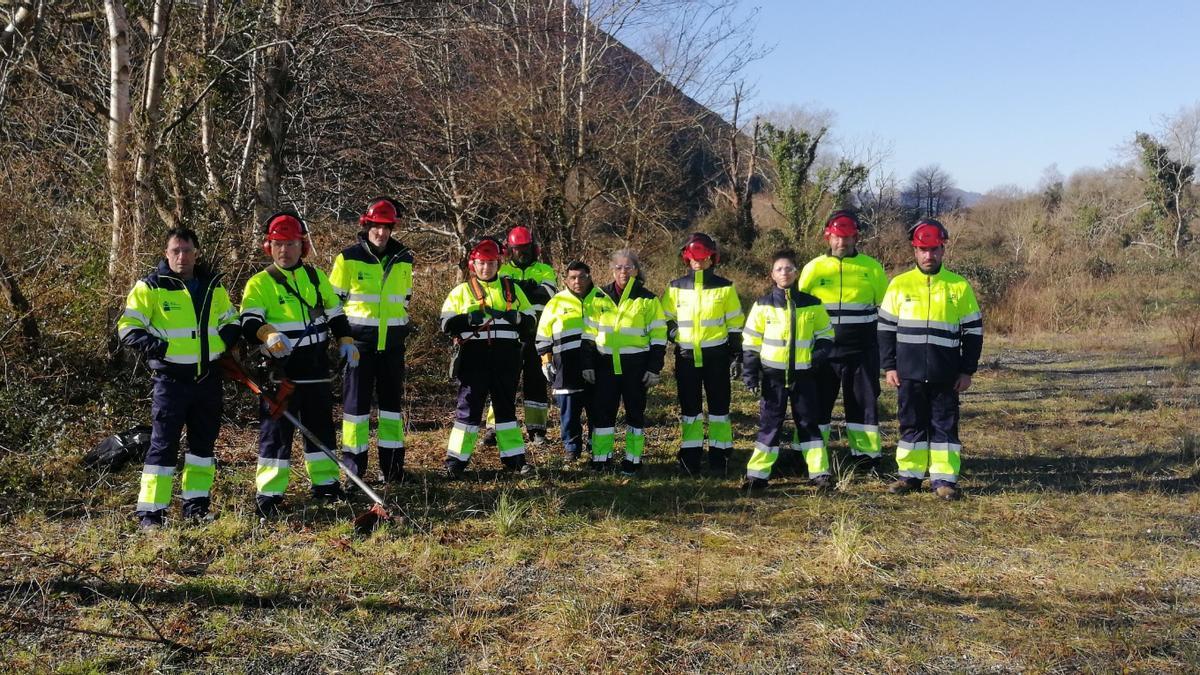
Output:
[[649, 379], [349, 352], [476, 318], [548, 371], [511, 316], [158, 350], [752, 384], [588, 375], [277, 345], [735, 369]]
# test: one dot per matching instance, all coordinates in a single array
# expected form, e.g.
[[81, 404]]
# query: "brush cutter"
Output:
[[277, 406]]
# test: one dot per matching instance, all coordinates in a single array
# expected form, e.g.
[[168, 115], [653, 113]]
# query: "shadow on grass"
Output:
[[1151, 471]]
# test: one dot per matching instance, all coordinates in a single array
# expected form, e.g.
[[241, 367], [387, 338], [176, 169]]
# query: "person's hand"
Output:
[[649, 379], [892, 377], [277, 345], [588, 375], [349, 352], [752, 385], [548, 371], [476, 318], [735, 369], [158, 350], [511, 316], [962, 384]]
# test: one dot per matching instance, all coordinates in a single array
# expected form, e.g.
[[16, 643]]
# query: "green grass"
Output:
[[1077, 548]]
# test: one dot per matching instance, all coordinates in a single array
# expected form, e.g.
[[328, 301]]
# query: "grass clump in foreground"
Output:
[[1076, 549]]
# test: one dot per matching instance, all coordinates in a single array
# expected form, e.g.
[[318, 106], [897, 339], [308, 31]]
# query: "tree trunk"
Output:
[[271, 135], [118, 135], [143, 181], [16, 299]]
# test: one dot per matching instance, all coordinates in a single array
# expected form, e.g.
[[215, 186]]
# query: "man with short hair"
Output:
[[566, 340], [930, 338], [851, 285], [374, 279], [181, 319], [290, 309]]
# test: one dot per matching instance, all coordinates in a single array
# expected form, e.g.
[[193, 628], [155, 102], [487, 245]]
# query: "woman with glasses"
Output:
[[631, 341]]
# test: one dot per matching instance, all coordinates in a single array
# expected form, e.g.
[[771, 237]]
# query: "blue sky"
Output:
[[992, 91]]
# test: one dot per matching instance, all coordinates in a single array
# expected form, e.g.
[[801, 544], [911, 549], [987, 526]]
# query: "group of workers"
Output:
[[827, 328]]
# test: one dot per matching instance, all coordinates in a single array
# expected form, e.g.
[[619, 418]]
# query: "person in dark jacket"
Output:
[[180, 318], [930, 338], [566, 342]]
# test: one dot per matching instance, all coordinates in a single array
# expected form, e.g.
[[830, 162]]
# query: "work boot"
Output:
[[690, 462], [903, 485], [151, 520], [516, 464], [395, 475], [526, 469], [571, 457], [718, 461], [489, 437], [333, 492], [823, 483], [537, 437], [453, 468], [947, 490], [629, 469], [754, 485], [600, 466], [866, 465], [267, 508], [196, 509]]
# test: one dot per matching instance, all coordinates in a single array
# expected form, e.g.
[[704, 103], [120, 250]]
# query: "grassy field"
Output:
[[1076, 548]]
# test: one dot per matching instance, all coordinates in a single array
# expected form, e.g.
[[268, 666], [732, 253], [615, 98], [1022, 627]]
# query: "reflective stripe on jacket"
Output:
[[267, 301], [567, 334], [375, 291], [630, 323], [160, 312], [461, 302], [851, 288], [705, 312], [930, 326], [784, 330]]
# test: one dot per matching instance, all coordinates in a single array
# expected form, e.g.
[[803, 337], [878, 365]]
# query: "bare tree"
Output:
[[118, 131], [930, 192]]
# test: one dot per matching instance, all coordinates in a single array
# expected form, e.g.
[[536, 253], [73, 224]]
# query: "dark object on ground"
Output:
[[117, 450]]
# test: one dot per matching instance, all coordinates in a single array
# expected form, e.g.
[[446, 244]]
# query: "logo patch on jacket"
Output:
[[170, 306]]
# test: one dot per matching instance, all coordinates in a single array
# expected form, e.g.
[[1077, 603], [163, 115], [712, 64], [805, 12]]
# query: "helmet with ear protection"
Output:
[[928, 233], [381, 211], [700, 246], [285, 226]]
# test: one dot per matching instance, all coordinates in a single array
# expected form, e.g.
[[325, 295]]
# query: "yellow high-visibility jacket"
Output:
[[930, 327], [851, 289], [786, 330], [164, 323], [703, 312], [375, 292]]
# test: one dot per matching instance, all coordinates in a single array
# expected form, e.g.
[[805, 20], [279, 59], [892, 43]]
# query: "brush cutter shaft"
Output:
[[330, 454]]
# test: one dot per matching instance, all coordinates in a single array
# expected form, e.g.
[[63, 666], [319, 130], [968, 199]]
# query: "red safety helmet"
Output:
[[929, 233], [285, 226], [381, 211], [486, 249], [520, 236], [700, 246], [842, 223]]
